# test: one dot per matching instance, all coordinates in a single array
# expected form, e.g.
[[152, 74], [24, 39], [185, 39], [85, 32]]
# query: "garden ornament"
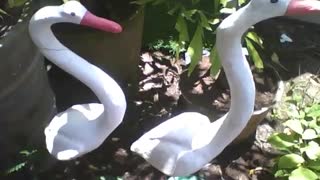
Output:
[[81, 128], [185, 143]]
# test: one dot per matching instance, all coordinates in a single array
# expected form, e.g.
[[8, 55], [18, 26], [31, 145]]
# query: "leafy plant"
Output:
[[196, 22], [299, 143], [26, 156], [11, 4]]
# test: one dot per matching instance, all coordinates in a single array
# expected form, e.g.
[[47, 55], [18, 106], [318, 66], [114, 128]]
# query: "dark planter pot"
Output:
[[117, 54], [26, 100]]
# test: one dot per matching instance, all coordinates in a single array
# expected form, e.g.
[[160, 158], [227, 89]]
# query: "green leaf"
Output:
[[314, 125], [302, 173], [313, 150], [295, 125], [181, 27], [290, 161], [215, 61], [3, 12], [16, 168], [281, 173], [188, 14], [314, 111], [281, 141], [157, 2], [216, 6], [314, 165], [195, 2], [204, 21], [309, 134], [195, 48], [258, 63], [16, 3], [142, 2], [254, 37]]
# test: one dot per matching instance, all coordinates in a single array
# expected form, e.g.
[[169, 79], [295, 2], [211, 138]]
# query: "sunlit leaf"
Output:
[[302, 173], [255, 56], [309, 134], [294, 125], [313, 150], [195, 48], [16, 168], [204, 21], [290, 161], [281, 141], [188, 14], [254, 37]]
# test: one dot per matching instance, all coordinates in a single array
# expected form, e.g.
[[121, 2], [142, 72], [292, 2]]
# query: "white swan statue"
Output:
[[185, 143], [81, 128]]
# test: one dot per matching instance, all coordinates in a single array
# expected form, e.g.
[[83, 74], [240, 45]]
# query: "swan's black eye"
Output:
[[273, 1], [72, 14]]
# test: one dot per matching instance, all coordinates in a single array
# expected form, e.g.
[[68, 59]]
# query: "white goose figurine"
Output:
[[81, 128], [183, 144]]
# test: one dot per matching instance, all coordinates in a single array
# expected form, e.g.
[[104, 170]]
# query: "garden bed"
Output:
[[159, 98]]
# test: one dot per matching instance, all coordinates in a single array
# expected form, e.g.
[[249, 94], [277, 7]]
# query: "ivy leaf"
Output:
[[312, 150], [302, 173], [290, 161], [195, 49], [215, 61], [309, 134], [294, 125]]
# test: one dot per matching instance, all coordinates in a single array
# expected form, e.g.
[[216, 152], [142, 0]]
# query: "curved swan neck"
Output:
[[106, 89], [239, 77]]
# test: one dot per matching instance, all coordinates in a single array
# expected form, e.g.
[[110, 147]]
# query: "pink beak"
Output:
[[303, 7], [100, 23]]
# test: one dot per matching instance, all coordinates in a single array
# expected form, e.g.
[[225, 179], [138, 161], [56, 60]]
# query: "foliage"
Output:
[[11, 4], [195, 24], [300, 140], [26, 156]]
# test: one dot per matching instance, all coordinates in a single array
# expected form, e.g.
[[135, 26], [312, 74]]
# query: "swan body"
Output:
[[81, 128], [183, 144]]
